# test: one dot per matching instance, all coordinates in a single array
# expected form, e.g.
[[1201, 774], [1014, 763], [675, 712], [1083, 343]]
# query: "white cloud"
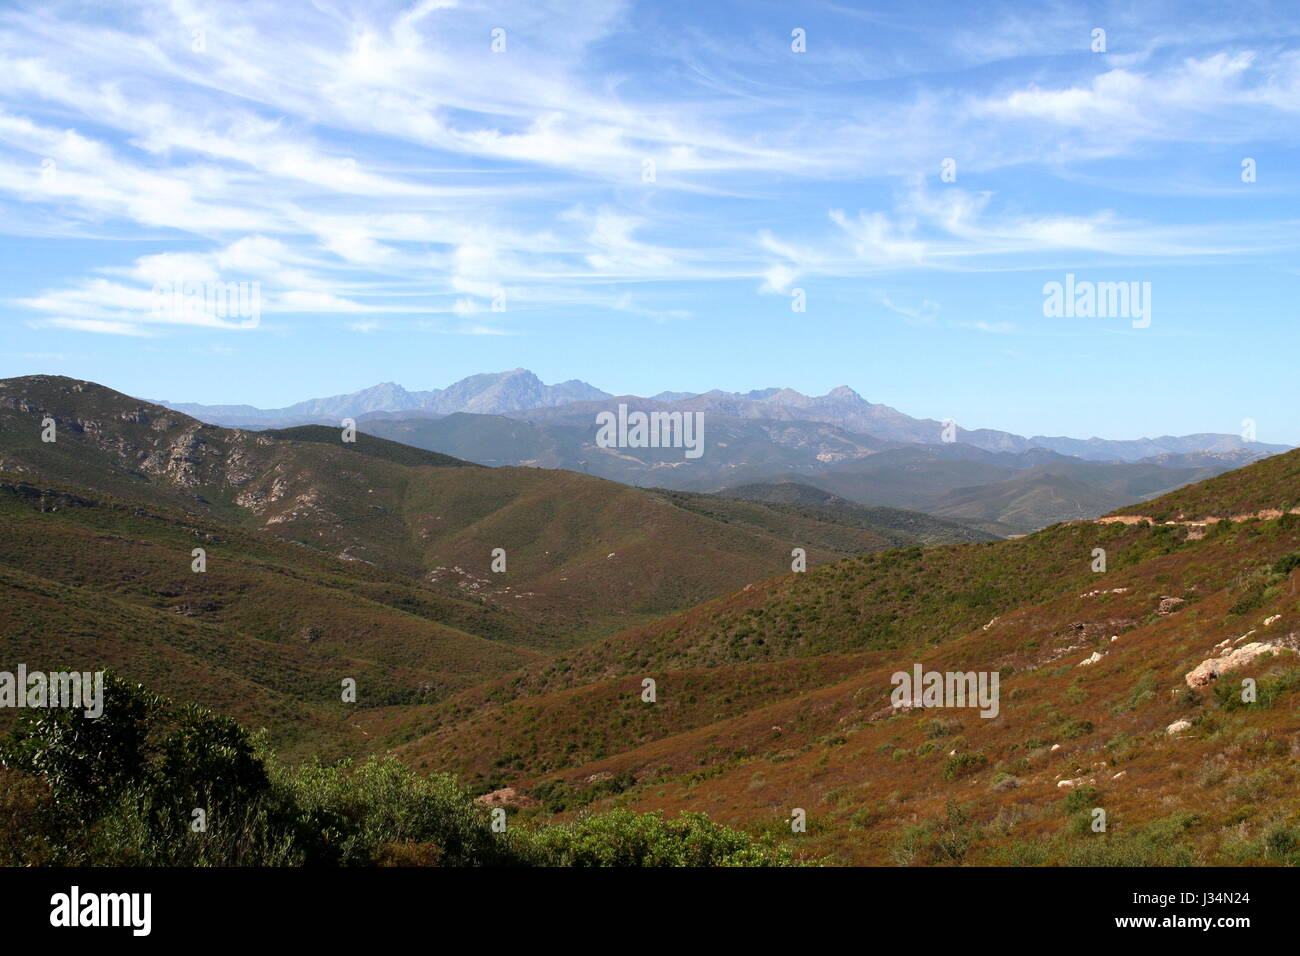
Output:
[[381, 160]]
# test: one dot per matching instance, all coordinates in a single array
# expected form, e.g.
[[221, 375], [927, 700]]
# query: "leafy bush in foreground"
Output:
[[124, 789], [625, 838]]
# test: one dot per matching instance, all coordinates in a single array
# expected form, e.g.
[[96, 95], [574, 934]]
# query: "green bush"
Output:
[[1072, 728], [958, 765], [624, 838], [1288, 563], [947, 840], [86, 761], [122, 790], [354, 815], [1083, 798]]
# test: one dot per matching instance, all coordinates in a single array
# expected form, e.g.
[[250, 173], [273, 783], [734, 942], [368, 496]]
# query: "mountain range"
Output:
[[868, 454], [520, 393], [484, 394]]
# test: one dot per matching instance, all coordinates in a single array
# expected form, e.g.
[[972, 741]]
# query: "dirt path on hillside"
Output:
[[1266, 515]]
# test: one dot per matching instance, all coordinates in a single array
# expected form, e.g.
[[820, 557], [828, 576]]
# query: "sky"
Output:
[[664, 196]]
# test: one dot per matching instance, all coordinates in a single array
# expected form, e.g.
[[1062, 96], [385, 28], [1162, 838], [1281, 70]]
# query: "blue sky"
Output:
[[640, 189]]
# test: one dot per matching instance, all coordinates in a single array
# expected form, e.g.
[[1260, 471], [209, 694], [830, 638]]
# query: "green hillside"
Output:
[[266, 634], [779, 696], [904, 527], [584, 556], [328, 560], [370, 445]]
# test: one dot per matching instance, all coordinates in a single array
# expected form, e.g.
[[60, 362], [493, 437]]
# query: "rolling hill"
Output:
[[584, 556], [1120, 690], [1000, 492], [325, 560], [926, 528]]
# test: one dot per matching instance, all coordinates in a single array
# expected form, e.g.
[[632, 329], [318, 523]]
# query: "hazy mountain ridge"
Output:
[[490, 393], [868, 453], [807, 497], [519, 393], [1000, 492]]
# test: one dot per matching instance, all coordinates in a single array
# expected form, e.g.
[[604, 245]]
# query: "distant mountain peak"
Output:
[[519, 392], [488, 393], [843, 393]]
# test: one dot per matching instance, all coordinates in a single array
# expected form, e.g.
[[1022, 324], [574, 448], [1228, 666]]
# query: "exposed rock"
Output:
[[1169, 604], [1093, 631], [1212, 669], [196, 608], [1178, 726], [506, 797], [1104, 591]]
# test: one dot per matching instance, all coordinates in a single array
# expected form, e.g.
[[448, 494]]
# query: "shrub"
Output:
[[1287, 563], [624, 838], [958, 765], [86, 761], [1082, 798], [350, 815], [947, 840], [942, 727], [1073, 728], [122, 790]]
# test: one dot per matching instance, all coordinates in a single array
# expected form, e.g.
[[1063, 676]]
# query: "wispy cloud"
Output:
[[383, 160]]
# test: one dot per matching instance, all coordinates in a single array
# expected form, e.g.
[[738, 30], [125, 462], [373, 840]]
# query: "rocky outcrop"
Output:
[[1169, 604], [1211, 670], [506, 797]]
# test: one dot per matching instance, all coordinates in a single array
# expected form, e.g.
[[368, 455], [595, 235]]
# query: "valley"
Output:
[[372, 562]]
